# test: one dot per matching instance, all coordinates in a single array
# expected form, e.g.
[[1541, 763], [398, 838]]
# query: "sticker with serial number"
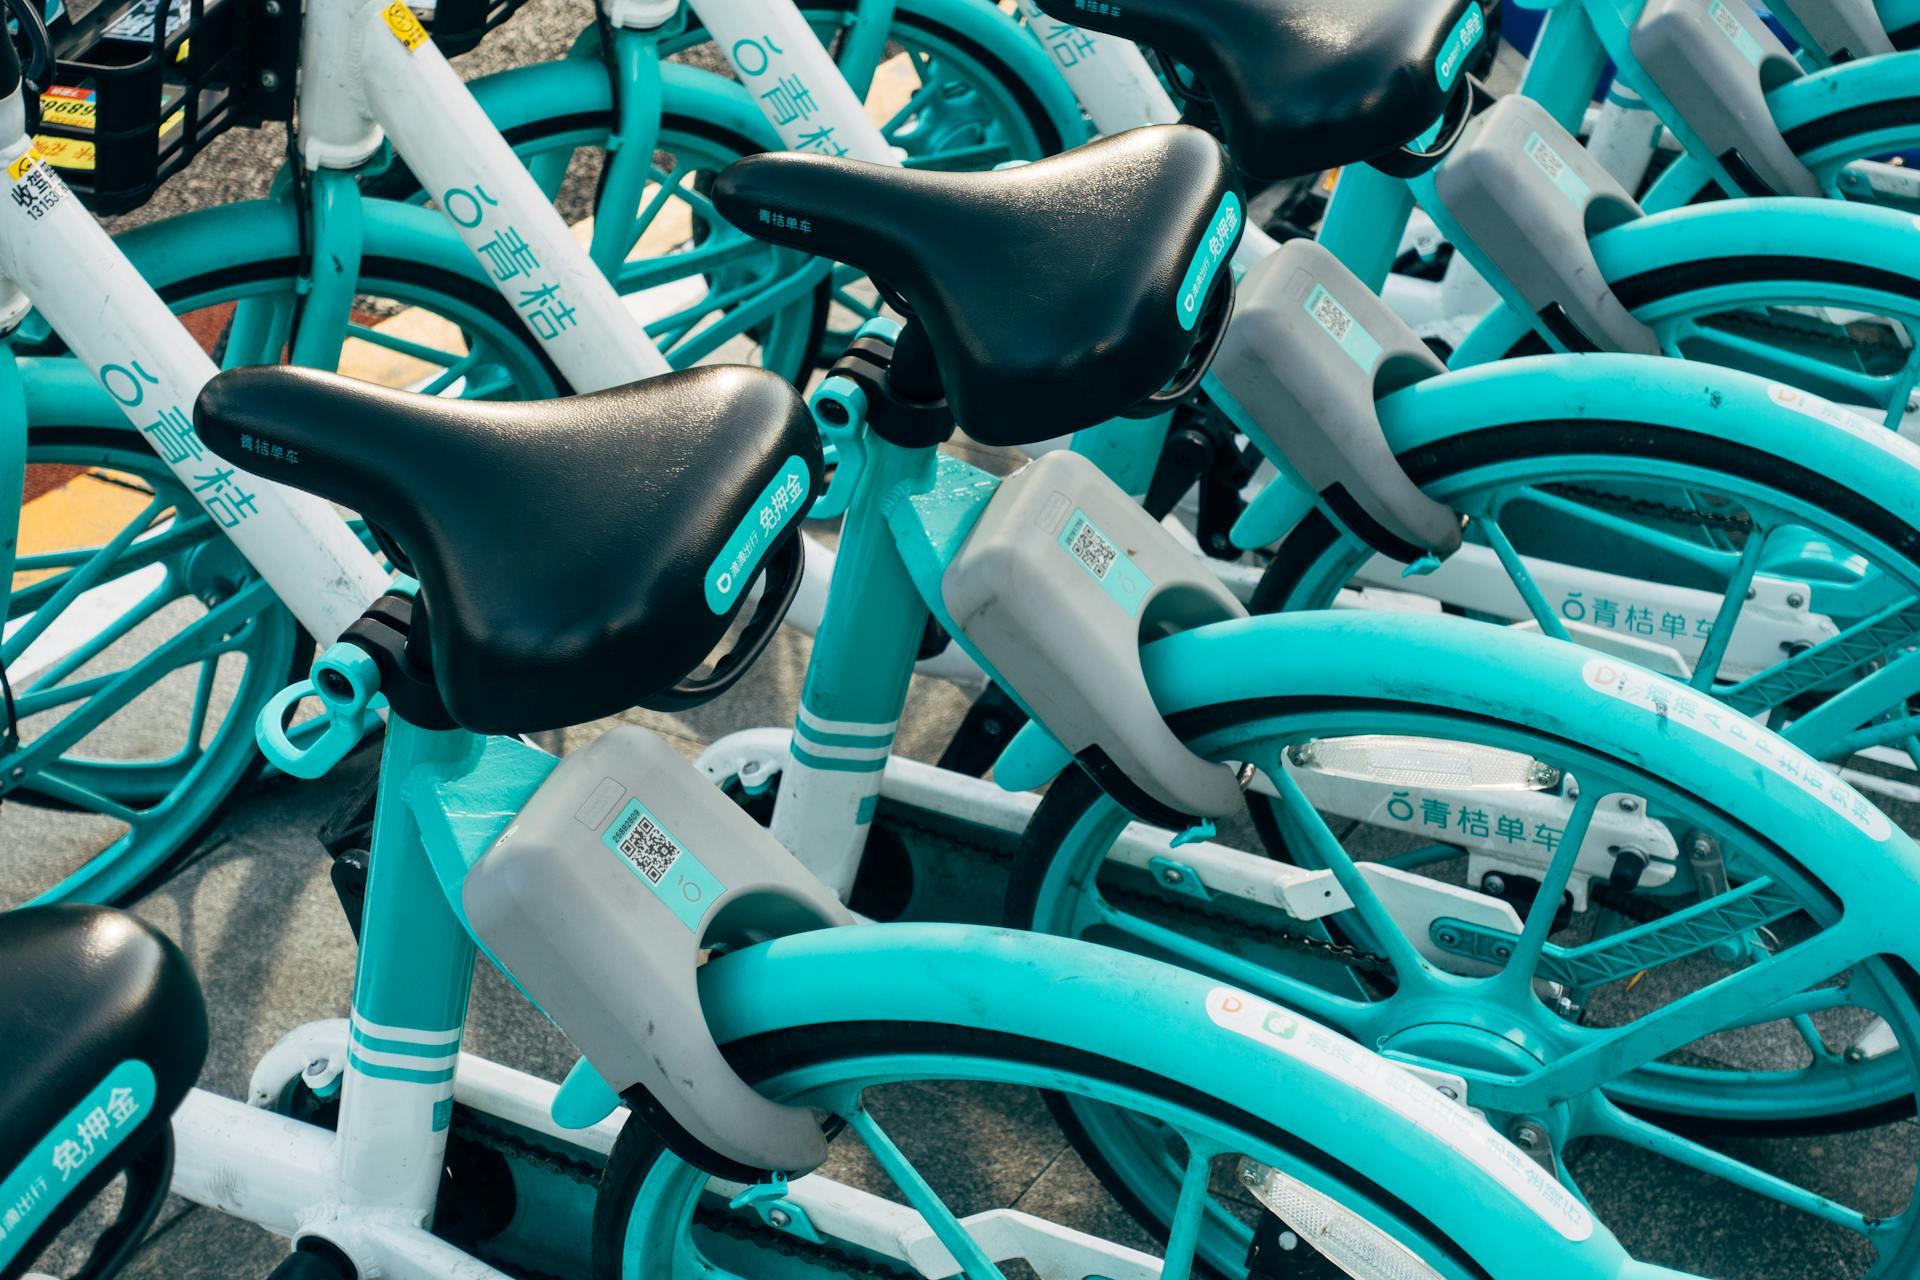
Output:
[[1105, 563], [1347, 333], [663, 864], [1676, 704], [1558, 171], [404, 24], [1329, 1053], [1732, 29]]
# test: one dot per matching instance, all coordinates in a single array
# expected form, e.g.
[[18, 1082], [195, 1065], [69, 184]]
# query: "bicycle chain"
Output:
[[1649, 507]]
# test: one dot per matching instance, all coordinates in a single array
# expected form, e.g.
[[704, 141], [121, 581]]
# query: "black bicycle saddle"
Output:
[[1054, 295], [1306, 85], [576, 556], [102, 1032]]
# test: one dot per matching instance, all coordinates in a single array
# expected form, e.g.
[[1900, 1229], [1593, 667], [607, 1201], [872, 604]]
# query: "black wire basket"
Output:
[[135, 95]]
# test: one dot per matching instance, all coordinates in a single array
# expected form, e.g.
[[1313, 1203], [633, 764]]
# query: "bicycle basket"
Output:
[[136, 95]]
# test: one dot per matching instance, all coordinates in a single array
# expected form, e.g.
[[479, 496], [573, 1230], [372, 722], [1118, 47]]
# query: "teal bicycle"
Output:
[[610, 871]]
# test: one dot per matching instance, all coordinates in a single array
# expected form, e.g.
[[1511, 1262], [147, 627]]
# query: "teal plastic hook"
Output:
[[347, 683]]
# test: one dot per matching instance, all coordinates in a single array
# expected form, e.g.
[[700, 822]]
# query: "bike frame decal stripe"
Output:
[[366, 1027], [403, 1048], [1461, 41], [817, 725], [1206, 260], [402, 1075], [851, 744], [98, 1123], [837, 765], [777, 507]]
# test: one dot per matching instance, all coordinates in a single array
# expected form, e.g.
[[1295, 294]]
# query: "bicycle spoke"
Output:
[[1189, 1211], [1522, 578], [1614, 1053], [1708, 667], [1303, 826], [81, 580], [974, 1263], [50, 783], [1610, 1121], [1525, 959], [1260, 979], [451, 374]]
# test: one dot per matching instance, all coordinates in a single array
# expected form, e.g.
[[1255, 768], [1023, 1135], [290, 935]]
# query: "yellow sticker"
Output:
[[65, 153], [404, 24], [18, 169], [67, 106]]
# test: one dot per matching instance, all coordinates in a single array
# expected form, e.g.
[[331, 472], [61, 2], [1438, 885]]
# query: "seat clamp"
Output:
[[385, 632], [909, 424]]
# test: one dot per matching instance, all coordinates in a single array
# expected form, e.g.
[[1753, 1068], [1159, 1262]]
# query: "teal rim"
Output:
[[1504, 1027], [668, 1235]]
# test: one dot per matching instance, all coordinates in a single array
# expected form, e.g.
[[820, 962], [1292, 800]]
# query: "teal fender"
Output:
[[61, 391], [1818, 96], [1470, 669], [1721, 404], [1126, 1009], [1835, 231]]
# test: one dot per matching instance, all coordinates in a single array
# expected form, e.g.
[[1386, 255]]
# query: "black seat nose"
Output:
[[576, 556], [1306, 85], [1054, 295], [102, 1032]]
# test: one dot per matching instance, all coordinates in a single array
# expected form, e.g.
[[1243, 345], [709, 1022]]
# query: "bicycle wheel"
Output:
[[1856, 153], [658, 1219], [1382, 797], [139, 645], [1843, 331]]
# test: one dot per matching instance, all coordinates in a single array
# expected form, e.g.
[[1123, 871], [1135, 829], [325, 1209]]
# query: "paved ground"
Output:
[[257, 915]]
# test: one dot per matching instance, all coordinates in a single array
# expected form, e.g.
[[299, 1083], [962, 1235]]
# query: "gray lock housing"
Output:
[[598, 900], [1715, 61], [1310, 350], [1057, 586], [1843, 29], [1526, 200]]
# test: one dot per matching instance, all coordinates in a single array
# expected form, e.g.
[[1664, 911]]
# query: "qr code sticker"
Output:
[[1548, 159], [1332, 317], [646, 846], [1094, 551]]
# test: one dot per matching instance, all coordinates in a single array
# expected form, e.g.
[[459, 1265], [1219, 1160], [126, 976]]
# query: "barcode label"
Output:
[[1093, 550], [1726, 22], [1332, 316], [1548, 159], [650, 850]]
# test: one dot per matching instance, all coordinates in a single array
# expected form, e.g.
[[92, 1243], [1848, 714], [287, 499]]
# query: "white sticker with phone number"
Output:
[[1678, 704], [1332, 1054], [1848, 420]]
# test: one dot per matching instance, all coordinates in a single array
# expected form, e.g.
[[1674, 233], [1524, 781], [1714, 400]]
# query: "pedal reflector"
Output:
[[1342, 1237]]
